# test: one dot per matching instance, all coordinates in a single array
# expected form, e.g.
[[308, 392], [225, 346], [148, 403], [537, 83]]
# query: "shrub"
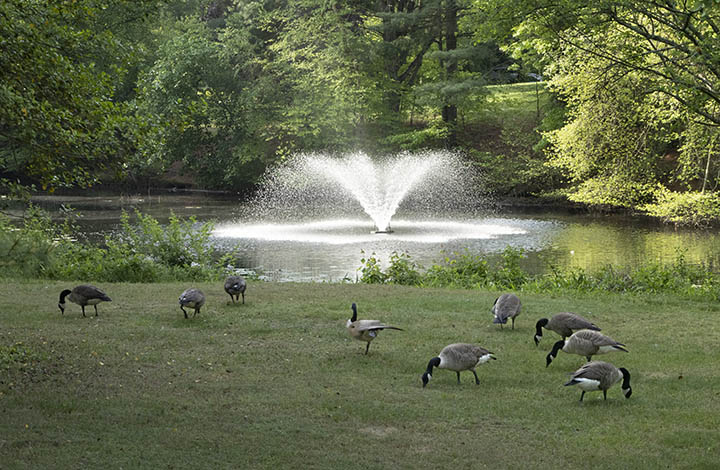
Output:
[[464, 270], [26, 248], [370, 271], [691, 208], [143, 252], [403, 270]]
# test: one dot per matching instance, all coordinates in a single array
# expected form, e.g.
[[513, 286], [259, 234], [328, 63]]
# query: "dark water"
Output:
[[331, 249]]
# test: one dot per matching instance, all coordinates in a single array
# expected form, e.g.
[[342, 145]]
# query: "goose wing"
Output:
[[595, 370], [597, 339], [90, 292], [372, 325], [576, 322]]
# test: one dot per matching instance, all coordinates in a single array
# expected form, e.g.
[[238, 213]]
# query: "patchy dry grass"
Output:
[[278, 383]]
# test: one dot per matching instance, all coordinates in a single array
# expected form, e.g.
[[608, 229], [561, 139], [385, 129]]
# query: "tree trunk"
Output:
[[449, 112]]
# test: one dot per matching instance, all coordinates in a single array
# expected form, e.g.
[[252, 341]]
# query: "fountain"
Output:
[[321, 186], [378, 188], [319, 209]]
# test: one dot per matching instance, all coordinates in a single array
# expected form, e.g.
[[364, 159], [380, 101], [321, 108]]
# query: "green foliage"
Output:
[[508, 274], [145, 251], [371, 270], [201, 94], [403, 270], [416, 139], [468, 271], [26, 249], [464, 270], [58, 120], [695, 209]]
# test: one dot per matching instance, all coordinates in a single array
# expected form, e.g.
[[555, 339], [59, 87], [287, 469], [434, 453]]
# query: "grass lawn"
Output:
[[277, 383]]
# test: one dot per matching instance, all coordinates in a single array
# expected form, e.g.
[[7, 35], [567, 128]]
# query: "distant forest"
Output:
[[611, 104]]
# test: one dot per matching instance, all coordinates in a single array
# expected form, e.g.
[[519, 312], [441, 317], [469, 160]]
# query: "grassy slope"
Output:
[[277, 383]]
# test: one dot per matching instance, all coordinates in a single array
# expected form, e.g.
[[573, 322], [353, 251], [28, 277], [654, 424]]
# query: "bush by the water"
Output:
[[140, 251], [467, 271]]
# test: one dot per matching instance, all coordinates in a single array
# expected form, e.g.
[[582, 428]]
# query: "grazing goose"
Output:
[[585, 343], [458, 357], [365, 330], [192, 298], [83, 295], [599, 375], [234, 286], [506, 306], [563, 324]]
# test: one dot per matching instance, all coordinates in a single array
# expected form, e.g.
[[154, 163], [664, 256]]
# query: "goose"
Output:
[[234, 286], [585, 343], [458, 357], [599, 375], [192, 298], [365, 330], [563, 324], [83, 295], [506, 306]]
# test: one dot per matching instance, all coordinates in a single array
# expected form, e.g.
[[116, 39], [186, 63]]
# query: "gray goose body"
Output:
[[235, 286], [365, 330], [458, 357], [192, 298], [599, 375], [564, 324], [506, 306], [83, 295], [585, 343]]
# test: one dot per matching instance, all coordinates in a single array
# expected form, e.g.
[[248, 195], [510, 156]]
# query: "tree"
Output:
[[59, 123], [639, 78]]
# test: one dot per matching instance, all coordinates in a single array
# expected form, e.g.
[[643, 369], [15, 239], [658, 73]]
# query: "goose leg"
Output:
[[243, 294], [96, 314], [83, 309], [458, 375], [582, 395], [181, 308], [513, 323], [367, 348], [589, 358], [477, 381], [604, 394]]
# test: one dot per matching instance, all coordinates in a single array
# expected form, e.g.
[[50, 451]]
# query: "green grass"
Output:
[[513, 102], [277, 383]]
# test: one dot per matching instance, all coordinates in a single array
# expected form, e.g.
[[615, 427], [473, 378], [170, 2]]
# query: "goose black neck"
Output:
[[354, 309], [626, 378], [539, 325], [64, 294], [557, 347], [434, 362]]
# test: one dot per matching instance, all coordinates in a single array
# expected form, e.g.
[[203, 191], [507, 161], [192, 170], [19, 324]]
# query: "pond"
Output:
[[331, 249]]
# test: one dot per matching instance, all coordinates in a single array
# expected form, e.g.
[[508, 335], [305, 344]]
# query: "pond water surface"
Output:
[[330, 249]]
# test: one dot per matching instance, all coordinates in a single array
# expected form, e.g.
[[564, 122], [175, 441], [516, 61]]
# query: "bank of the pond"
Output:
[[278, 383]]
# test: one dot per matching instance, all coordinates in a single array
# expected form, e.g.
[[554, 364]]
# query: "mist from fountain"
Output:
[[321, 185]]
